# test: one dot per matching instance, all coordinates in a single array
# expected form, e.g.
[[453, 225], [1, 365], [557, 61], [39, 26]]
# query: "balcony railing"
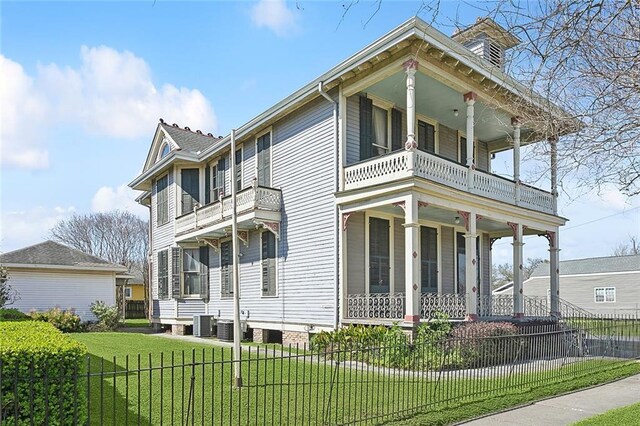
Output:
[[403, 164], [253, 198]]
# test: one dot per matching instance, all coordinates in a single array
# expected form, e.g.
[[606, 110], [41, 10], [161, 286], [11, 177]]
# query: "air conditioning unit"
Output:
[[225, 330], [202, 325]]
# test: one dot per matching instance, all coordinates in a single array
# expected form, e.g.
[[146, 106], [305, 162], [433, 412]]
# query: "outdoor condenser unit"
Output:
[[202, 325], [225, 330]]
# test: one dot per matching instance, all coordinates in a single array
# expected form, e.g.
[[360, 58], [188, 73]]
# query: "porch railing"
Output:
[[375, 306], [398, 165], [252, 198], [452, 305]]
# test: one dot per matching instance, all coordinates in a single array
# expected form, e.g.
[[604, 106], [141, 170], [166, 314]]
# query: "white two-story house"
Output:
[[364, 197]]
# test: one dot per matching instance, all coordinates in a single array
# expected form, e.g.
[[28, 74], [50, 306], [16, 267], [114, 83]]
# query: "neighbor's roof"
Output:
[[593, 265], [188, 140], [52, 254]]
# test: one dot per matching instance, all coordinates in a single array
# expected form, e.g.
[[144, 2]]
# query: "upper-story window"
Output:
[[215, 179], [238, 160], [162, 200], [166, 149], [380, 128], [190, 183], [263, 159], [426, 137]]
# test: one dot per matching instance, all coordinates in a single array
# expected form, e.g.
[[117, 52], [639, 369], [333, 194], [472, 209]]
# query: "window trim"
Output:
[[436, 132], [391, 219], [387, 106], [183, 295], [277, 289], [179, 194], [269, 131], [604, 289], [166, 201], [127, 289]]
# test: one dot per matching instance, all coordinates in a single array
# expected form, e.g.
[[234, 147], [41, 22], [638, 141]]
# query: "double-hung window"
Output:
[[426, 137], [191, 284], [226, 269], [268, 260], [162, 200], [163, 274], [380, 128], [604, 294], [190, 182], [264, 160]]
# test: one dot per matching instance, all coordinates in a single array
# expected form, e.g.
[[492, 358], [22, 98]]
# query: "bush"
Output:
[[108, 316], [481, 344], [13, 315], [64, 320], [39, 367]]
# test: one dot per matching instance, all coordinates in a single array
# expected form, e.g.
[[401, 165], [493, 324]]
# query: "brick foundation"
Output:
[[178, 329], [295, 337], [260, 335]]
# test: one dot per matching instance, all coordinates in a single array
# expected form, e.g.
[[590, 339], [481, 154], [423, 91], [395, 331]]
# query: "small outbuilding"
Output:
[[50, 274]]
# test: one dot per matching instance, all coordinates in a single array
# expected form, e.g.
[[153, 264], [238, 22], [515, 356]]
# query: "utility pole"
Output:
[[237, 329]]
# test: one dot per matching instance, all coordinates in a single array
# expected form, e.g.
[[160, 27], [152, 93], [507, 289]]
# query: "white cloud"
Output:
[[23, 228], [108, 198], [276, 16], [110, 94]]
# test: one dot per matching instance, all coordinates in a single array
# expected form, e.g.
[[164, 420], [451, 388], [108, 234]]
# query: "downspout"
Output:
[[336, 214]]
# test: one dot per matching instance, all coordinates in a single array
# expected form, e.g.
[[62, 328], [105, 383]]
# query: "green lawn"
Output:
[[629, 415], [295, 391], [138, 322], [604, 327]]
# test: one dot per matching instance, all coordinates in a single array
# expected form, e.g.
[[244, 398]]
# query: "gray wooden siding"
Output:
[[398, 253], [355, 254], [447, 258], [448, 140], [579, 290], [353, 130], [303, 167], [483, 157]]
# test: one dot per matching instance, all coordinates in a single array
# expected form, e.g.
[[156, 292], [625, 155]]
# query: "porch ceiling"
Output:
[[436, 100]]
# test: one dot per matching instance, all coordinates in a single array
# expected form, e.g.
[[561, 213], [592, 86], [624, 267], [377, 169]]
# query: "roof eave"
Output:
[[140, 180], [105, 268]]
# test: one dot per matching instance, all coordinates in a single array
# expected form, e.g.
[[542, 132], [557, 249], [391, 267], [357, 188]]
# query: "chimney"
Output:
[[487, 39]]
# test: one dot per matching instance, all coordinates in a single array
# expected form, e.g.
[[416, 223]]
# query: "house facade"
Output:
[[364, 197], [599, 285], [50, 275]]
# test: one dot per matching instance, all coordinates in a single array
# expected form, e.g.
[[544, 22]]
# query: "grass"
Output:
[[622, 327], [296, 391], [137, 322], [628, 415]]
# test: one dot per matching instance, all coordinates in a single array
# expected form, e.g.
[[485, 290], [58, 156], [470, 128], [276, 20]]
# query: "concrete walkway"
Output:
[[570, 408]]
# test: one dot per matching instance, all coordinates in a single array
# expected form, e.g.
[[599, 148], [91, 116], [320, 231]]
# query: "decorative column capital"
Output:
[[410, 65], [516, 121], [470, 97]]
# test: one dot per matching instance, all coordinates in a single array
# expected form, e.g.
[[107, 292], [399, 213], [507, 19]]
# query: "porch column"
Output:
[[470, 100], [553, 142], [412, 279], [410, 67], [554, 273], [515, 122], [471, 275], [518, 296]]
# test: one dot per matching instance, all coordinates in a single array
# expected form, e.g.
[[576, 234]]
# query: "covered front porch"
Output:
[[414, 251]]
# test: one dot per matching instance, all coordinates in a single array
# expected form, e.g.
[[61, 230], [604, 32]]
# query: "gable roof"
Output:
[[188, 140], [593, 265], [53, 254]]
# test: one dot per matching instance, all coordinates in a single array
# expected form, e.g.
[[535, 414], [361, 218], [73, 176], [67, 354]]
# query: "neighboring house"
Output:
[[599, 285], [50, 274], [364, 197], [134, 287], [130, 293]]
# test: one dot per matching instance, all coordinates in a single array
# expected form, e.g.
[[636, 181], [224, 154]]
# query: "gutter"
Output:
[[337, 162]]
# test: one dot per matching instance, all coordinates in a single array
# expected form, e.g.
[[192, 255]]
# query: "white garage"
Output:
[[50, 274]]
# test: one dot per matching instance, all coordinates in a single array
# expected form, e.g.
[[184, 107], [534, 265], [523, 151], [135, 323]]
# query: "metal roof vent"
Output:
[[487, 39]]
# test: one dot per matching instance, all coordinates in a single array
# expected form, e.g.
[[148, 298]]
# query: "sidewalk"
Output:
[[570, 408]]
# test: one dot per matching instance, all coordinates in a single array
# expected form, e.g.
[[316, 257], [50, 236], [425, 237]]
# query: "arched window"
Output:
[[166, 149]]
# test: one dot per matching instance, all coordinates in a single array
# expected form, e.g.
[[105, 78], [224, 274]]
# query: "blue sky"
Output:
[[85, 83]]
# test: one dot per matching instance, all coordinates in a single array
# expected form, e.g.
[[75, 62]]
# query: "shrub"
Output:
[[39, 367], [108, 316], [479, 344], [13, 315], [64, 320]]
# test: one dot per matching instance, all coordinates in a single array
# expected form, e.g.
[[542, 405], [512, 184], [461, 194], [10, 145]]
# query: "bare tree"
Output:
[[632, 247], [502, 274]]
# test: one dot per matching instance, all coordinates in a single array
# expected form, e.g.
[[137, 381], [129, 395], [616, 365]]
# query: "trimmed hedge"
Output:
[[40, 370], [13, 315]]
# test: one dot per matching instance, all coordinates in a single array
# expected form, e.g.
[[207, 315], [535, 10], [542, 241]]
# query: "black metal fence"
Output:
[[345, 383]]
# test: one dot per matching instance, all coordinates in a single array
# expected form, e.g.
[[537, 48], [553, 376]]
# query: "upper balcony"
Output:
[[405, 164], [253, 203]]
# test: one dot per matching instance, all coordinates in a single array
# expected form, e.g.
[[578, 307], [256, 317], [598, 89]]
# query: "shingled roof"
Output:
[[50, 253], [593, 265], [188, 140]]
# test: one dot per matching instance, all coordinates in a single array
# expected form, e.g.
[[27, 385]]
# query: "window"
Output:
[[604, 294], [463, 151], [379, 256], [426, 137], [190, 183], [166, 149], [163, 274], [264, 159], [162, 200], [191, 283], [226, 269], [429, 259], [268, 259], [127, 292], [217, 180], [380, 129], [239, 169]]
